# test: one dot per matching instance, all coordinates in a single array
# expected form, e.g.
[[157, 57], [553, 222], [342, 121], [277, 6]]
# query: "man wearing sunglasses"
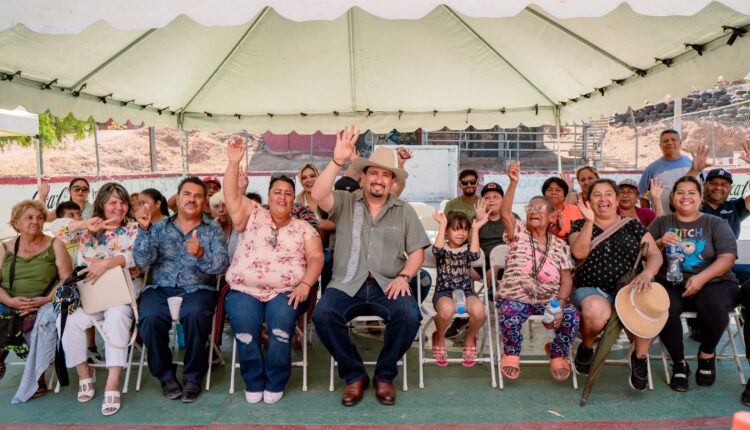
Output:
[[379, 247], [465, 203]]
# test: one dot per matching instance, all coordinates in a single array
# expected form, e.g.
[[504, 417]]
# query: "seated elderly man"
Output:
[[185, 252], [379, 248]]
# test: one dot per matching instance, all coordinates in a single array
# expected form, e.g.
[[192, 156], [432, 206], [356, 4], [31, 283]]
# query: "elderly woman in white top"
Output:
[[104, 241]]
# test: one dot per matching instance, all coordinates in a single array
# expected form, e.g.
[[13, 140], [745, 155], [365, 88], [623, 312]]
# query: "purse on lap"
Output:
[[113, 288]]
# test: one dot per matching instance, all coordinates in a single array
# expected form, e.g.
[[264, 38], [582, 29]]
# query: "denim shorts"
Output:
[[581, 293], [449, 294]]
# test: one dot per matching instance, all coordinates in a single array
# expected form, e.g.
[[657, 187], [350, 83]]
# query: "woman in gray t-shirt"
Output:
[[707, 249]]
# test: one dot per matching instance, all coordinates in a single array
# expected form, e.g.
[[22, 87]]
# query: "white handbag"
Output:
[[113, 288]]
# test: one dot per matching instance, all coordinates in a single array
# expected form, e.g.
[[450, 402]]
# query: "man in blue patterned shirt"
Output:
[[185, 252]]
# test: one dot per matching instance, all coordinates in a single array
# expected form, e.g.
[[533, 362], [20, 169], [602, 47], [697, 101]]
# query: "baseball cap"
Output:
[[345, 183], [628, 183], [213, 179], [719, 173], [492, 186]]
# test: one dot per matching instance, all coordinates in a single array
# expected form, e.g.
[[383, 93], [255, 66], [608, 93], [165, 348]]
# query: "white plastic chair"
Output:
[[733, 315], [497, 261], [365, 319], [429, 262]]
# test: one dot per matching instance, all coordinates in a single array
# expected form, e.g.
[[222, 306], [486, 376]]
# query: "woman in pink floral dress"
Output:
[[277, 261]]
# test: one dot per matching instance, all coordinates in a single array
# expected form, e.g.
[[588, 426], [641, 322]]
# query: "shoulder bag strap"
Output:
[[606, 234], [13, 264]]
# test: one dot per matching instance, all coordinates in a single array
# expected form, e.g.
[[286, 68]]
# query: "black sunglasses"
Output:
[[468, 182]]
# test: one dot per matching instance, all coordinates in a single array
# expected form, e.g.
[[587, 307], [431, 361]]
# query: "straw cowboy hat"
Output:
[[645, 312], [382, 157]]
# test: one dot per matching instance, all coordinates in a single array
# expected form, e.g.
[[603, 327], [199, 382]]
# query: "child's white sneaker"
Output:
[[270, 398], [254, 397]]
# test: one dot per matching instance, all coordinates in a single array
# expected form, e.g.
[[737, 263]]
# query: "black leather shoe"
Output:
[[190, 392], [171, 389]]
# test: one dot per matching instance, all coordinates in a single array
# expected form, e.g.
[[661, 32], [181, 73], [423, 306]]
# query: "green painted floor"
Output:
[[451, 395]]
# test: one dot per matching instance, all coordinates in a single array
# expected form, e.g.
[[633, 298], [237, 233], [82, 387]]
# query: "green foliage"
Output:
[[53, 129]]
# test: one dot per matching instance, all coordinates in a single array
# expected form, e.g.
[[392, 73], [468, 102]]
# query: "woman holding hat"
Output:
[[278, 259], [606, 247], [556, 190], [707, 250]]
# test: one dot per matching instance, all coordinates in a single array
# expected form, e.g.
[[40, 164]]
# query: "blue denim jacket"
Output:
[[162, 247]]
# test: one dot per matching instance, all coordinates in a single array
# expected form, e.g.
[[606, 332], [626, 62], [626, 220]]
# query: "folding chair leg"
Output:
[[330, 383], [664, 361], [650, 379], [572, 367], [304, 353], [420, 333], [126, 384], [488, 337], [140, 369], [210, 354], [736, 355], [234, 363], [498, 351], [403, 370]]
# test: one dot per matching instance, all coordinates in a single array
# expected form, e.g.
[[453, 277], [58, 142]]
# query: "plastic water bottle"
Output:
[[459, 298], [551, 311], [674, 264]]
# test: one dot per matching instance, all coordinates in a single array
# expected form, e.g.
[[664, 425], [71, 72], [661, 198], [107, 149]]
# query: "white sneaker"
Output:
[[270, 398], [253, 397]]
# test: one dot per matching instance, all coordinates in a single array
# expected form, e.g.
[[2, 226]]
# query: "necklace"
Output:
[[536, 268]]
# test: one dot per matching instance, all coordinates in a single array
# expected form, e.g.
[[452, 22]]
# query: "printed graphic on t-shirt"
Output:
[[691, 245]]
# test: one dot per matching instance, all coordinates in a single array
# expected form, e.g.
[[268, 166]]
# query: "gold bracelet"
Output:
[[336, 162]]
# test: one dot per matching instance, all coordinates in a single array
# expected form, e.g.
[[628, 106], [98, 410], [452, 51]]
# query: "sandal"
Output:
[[559, 363], [439, 353], [111, 403], [510, 362], [470, 354], [85, 395], [42, 389]]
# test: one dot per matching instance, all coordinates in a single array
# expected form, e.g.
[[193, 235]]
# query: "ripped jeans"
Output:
[[246, 316]]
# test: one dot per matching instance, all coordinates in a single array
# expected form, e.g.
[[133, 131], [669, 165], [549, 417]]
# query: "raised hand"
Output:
[[43, 190], [346, 140], [514, 172], [483, 212], [440, 217], [746, 150], [243, 182], [568, 180], [403, 155], [700, 157], [193, 245], [656, 188], [586, 211], [143, 216], [236, 150]]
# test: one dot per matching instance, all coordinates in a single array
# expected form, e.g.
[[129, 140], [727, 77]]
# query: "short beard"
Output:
[[471, 194]]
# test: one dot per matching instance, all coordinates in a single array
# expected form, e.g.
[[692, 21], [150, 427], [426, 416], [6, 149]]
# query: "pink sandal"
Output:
[[439, 353], [470, 354]]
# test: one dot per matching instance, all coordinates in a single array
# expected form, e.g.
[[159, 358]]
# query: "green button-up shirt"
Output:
[[383, 245]]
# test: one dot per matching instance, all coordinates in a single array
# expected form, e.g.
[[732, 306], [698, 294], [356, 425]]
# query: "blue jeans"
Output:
[[336, 308], [246, 315], [196, 315]]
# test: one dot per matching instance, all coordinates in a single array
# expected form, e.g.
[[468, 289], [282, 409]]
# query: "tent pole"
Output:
[[96, 148], [39, 167], [181, 140], [557, 139]]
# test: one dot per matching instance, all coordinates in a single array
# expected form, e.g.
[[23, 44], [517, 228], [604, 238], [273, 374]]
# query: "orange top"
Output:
[[569, 214]]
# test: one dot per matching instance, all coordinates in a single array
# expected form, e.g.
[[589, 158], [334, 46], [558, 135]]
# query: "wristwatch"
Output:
[[406, 277]]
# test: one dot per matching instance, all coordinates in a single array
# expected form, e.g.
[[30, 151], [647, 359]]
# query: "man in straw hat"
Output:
[[379, 248]]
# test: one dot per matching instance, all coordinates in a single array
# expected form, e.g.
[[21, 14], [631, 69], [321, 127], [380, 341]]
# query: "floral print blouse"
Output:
[[269, 261], [107, 244]]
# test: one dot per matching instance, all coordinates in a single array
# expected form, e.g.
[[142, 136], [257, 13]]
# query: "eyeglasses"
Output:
[[79, 189], [275, 233], [280, 175], [541, 207], [468, 182]]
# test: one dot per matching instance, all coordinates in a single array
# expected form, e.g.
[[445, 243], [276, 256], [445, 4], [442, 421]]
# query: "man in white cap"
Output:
[[379, 247]]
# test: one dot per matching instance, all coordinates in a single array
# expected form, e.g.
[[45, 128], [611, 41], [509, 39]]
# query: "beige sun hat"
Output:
[[645, 312], [383, 157]]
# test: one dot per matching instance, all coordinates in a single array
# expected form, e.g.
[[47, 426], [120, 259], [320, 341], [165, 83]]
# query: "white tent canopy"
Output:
[[282, 65], [18, 122]]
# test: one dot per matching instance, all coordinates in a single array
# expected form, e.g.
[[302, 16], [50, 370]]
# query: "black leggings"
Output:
[[712, 303]]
